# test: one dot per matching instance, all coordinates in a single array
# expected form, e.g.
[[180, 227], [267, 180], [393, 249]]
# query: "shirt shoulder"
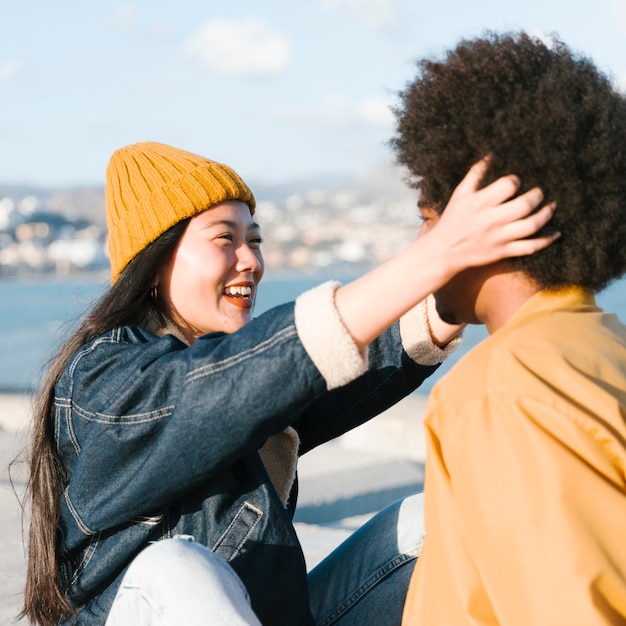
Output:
[[542, 348]]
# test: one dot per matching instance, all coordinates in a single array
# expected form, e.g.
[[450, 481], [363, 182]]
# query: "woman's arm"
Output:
[[475, 229], [390, 376]]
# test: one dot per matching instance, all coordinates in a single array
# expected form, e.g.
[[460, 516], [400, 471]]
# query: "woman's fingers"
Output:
[[521, 227], [518, 218], [499, 191], [524, 247], [517, 232], [520, 207], [473, 178], [494, 193], [485, 225]]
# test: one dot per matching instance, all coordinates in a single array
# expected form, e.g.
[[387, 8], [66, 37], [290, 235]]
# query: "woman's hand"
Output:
[[441, 333], [479, 226]]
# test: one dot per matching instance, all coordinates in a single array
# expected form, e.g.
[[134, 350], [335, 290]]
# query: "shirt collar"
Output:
[[572, 297]]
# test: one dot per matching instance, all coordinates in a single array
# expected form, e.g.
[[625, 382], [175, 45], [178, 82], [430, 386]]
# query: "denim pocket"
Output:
[[239, 530]]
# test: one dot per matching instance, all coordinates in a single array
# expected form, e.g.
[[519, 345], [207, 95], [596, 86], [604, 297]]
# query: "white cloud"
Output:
[[245, 47], [376, 14], [332, 110], [337, 110], [376, 111], [11, 68], [345, 134], [618, 8], [542, 35], [161, 32], [122, 17]]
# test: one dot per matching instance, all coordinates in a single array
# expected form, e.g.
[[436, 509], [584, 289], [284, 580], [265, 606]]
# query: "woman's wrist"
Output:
[[441, 332], [417, 337]]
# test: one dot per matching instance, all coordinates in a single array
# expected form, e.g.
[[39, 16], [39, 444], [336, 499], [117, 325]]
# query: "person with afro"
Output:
[[525, 492]]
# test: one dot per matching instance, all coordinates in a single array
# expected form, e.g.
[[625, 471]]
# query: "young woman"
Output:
[[163, 468]]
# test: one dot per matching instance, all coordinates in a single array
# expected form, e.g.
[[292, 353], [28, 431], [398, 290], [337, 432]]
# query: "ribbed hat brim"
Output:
[[150, 187]]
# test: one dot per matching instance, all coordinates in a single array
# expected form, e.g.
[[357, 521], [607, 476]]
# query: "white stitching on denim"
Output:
[[135, 418], [70, 431], [142, 418], [83, 527], [57, 426], [159, 413], [87, 556], [245, 505], [86, 350], [252, 527], [211, 368], [232, 522]]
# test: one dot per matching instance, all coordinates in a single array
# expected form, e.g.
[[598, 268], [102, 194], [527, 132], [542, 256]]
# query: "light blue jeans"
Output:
[[363, 581]]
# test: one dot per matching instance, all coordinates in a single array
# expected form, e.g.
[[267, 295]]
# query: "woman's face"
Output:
[[210, 282]]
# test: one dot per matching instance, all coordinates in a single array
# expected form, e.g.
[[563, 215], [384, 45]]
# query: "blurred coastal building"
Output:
[[51, 231], [314, 226]]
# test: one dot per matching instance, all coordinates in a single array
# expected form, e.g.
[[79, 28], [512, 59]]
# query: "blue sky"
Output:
[[277, 89]]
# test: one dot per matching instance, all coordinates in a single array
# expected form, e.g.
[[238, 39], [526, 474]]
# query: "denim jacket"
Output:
[[159, 438]]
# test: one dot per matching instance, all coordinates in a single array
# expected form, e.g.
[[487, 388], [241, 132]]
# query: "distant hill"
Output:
[[87, 202], [384, 181]]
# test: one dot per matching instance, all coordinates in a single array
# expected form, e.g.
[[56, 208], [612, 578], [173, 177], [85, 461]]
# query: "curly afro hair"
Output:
[[541, 112]]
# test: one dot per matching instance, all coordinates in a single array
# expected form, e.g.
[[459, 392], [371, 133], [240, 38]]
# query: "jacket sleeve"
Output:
[[140, 419], [542, 506], [398, 362]]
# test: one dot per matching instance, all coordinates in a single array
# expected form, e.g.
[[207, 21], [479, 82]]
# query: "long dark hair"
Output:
[[127, 301]]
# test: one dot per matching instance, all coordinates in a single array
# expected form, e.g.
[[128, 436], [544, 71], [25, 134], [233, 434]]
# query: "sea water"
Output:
[[36, 315]]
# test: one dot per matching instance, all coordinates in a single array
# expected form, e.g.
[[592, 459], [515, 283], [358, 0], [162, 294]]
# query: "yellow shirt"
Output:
[[526, 475]]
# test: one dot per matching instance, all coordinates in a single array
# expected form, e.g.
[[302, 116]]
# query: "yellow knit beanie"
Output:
[[151, 186]]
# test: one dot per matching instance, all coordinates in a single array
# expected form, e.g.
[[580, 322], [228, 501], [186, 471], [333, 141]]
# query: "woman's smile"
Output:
[[210, 282], [240, 295]]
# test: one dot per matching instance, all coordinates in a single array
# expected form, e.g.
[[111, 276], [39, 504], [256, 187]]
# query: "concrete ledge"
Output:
[[357, 492], [15, 411]]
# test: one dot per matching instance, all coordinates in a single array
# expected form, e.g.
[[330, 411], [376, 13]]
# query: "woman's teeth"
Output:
[[238, 291]]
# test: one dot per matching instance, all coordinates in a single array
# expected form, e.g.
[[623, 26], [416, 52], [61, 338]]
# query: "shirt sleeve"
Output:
[[541, 508]]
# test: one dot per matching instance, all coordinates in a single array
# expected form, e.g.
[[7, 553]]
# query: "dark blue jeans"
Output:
[[365, 580]]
